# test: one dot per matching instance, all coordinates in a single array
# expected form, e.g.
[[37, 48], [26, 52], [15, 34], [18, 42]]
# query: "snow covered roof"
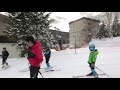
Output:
[[86, 19], [2, 17]]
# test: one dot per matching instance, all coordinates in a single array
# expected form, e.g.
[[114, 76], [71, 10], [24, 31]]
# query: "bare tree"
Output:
[[116, 27], [91, 29], [107, 18]]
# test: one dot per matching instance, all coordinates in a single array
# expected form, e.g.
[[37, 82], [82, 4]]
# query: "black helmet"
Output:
[[4, 48]]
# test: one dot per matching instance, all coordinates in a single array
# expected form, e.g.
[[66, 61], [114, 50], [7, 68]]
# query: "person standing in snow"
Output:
[[47, 54], [5, 55], [35, 56], [92, 59]]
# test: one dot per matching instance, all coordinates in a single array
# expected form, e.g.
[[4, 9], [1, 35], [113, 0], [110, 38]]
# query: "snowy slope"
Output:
[[72, 64], [108, 42]]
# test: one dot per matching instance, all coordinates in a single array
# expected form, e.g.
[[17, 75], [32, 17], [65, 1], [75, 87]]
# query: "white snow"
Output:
[[72, 64]]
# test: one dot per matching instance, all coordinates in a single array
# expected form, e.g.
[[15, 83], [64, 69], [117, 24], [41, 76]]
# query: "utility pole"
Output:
[[75, 44]]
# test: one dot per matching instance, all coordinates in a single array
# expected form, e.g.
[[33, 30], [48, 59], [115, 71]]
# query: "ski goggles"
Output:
[[91, 48]]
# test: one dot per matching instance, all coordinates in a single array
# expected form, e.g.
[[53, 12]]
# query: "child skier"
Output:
[[47, 53], [5, 55], [92, 59]]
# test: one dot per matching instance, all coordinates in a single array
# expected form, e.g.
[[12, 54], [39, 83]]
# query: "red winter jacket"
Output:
[[37, 51]]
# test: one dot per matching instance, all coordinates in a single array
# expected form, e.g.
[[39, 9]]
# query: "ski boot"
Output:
[[3, 66], [96, 76], [48, 69], [6, 64], [94, 73], [90, 74]]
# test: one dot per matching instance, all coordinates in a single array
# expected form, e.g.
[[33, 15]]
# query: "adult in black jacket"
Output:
[[5, 55]]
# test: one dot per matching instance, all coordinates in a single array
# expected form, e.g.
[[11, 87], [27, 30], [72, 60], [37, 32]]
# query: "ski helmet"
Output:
[[91, 47]]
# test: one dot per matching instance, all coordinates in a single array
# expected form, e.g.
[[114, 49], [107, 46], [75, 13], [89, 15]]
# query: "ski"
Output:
[[86, 76], [27, 69], [45, 67], [42, 69], [24, 70], [51, 70]]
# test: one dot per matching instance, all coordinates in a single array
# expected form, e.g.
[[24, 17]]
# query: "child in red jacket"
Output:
[[35, 55]]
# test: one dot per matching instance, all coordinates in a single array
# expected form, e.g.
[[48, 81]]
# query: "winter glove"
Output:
[[92, 65], [31, 55], [48, 52]]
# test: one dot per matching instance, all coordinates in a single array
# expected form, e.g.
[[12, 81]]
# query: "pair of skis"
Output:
[[42, 70], [83, 76]]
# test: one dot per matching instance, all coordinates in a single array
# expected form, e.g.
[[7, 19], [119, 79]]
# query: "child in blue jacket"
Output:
[[47, 53]]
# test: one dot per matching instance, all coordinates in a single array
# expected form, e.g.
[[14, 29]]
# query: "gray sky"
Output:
[[62, 19]]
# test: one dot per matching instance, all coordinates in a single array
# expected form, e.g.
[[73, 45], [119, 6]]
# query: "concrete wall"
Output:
[[2, 24], [80, 29], [76, 29], [13, 52]]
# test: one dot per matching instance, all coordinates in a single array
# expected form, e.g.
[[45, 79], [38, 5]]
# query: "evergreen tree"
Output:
[[103, 32], [22, 24]]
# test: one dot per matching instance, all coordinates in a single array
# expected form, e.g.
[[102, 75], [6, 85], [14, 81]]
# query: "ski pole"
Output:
[[38, 71], [102, 71], [41, 74]]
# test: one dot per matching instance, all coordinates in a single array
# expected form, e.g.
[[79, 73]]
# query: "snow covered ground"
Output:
[[71, 64]]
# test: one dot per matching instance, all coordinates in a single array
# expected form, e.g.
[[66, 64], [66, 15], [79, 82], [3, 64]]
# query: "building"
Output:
[[81, 30], [61, 38], [2, 24], [64, 36]]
